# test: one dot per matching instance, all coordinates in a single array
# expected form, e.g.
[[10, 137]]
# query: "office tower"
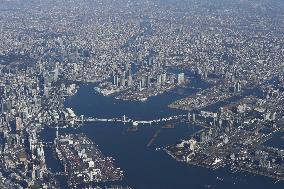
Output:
[[159, 80], [122, 79], [181, 78], [129, 81], [19, 124], [164, 78], [148, 81], [237, 87], [140, 85], [158, 64], [123, 74], [193, 117], [205, 75], [46, 91], [126, 67], [56, 73], [143, 81], [114, 79], [172, 80], [150, 61], [130, 71], [2, 106]]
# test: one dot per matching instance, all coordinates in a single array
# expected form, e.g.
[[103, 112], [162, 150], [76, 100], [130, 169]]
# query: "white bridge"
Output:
[[124, 120]]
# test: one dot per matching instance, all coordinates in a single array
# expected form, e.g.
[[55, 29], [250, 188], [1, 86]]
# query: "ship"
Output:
[[97, 89], [168, 126]]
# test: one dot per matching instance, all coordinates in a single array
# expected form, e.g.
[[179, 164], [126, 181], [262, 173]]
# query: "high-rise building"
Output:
[[122, 81], [130, 71], [46, 91], [126, 67], [56, 73], [123, 74], [148, 81], [143, 80], [2, 106], [129, 81], [205, 74], [19, 124], [115, 80], [140, 85], [172, 80], [181, 78], [237, 87], [150, 61], [164, 78], [2, 90], [159, 80]]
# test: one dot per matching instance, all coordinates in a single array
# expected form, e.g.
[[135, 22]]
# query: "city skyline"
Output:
[[193, 85]]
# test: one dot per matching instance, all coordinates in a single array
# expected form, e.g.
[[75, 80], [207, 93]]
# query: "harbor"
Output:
[[83, 162], [124, 151]]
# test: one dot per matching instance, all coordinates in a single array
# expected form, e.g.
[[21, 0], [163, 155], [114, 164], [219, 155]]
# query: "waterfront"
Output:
[[219, 64], [144, 167], [108, 107], [277, 141]]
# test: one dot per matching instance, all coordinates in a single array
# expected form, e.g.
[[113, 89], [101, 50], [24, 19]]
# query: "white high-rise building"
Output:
[[181, 79]]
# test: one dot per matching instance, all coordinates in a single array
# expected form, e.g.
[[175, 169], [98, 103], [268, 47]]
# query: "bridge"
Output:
[[125, 120]]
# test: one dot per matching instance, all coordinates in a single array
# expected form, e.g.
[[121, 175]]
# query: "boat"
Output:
[[135, 123], [143, 99], [132, 129], [219, 178], [97, 89], [168, 126]]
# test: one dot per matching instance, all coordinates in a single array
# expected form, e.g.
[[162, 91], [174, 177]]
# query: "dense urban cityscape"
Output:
[[230, 53]]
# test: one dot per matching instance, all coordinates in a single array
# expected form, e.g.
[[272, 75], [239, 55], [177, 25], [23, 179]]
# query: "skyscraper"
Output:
[[19, 124], [159, 80], [122, 81], [129, 81], [164, 78], [180, 78]]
